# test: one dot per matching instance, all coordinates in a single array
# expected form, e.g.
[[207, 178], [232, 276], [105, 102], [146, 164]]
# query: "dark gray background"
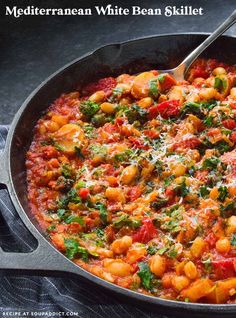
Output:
[[31, 48]]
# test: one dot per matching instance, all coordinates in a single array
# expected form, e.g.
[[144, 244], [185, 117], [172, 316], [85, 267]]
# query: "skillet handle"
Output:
[[43, 261]]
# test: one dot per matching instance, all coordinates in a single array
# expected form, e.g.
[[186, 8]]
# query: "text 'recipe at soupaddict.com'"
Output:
[[108, 10]]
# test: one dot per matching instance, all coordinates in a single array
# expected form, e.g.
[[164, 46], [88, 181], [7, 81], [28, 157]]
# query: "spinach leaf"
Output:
[[161, 78], [124, 220], [223, 193], [210, 163], [74, 219], [145, 275], [153, 89], [66, 171], [208, 121], [204, 191], [136, 113], [220, 83], [71, 247], [233, 240], [88, 108], [103, 211]]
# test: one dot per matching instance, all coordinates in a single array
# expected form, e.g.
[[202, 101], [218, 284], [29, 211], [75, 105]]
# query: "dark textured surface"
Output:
[[33, 48]]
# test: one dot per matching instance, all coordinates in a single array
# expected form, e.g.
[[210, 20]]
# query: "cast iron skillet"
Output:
[[165, 51]]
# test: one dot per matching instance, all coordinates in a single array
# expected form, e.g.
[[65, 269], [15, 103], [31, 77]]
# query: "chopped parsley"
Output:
[[153, 89], [211, 163], [233, 240], [145, 275], [103, 211], [223, 193], [89, 108]]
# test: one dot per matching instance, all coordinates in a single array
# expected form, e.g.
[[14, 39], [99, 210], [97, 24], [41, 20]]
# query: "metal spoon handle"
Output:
[[221, 29]]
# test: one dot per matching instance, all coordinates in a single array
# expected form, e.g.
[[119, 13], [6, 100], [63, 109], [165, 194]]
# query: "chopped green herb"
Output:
[[152, 250], [66, 171], [124, 220], [78, 152], [136, 113], [162, 250], [74, 219], [117, 91], [172, 252], [204, 191], [222, 146], [145, 274], [208, 121], [89, 131], [124, 156], [71, 248], [51, 228], [103, 211], [233, 240], [159, 203], [168, 181], [228, 210], [80, 184], [223, 193], [211, 163], [161, 78], [182, 189], [207, 264], [153, 89], [89, 108], [220, 83]]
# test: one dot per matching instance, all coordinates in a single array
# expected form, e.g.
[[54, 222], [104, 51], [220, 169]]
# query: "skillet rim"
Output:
[[164, 303]]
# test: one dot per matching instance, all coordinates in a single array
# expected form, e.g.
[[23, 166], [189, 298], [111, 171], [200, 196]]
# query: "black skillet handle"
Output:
[[45, 259]]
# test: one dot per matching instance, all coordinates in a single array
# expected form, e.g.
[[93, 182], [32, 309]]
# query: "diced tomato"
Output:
[[110, 128], [211, 64], [137, 143], [53, 163], [108, 168], [74, 228], [190, 143], [229, 157], [167, 82], [135, 267], [146, 232], [224, 268], [229, 124], [49, 152], [199, 72], [110, 233], [151, 133], [232, 105], [134, 193], [155, 72], [233, 136], [120, 121], [201, 175], [170, 193], [166, 109], [211, 239], [105, 84], [84, 193]]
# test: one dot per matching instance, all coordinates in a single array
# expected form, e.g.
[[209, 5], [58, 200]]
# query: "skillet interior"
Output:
[[130, 57]]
